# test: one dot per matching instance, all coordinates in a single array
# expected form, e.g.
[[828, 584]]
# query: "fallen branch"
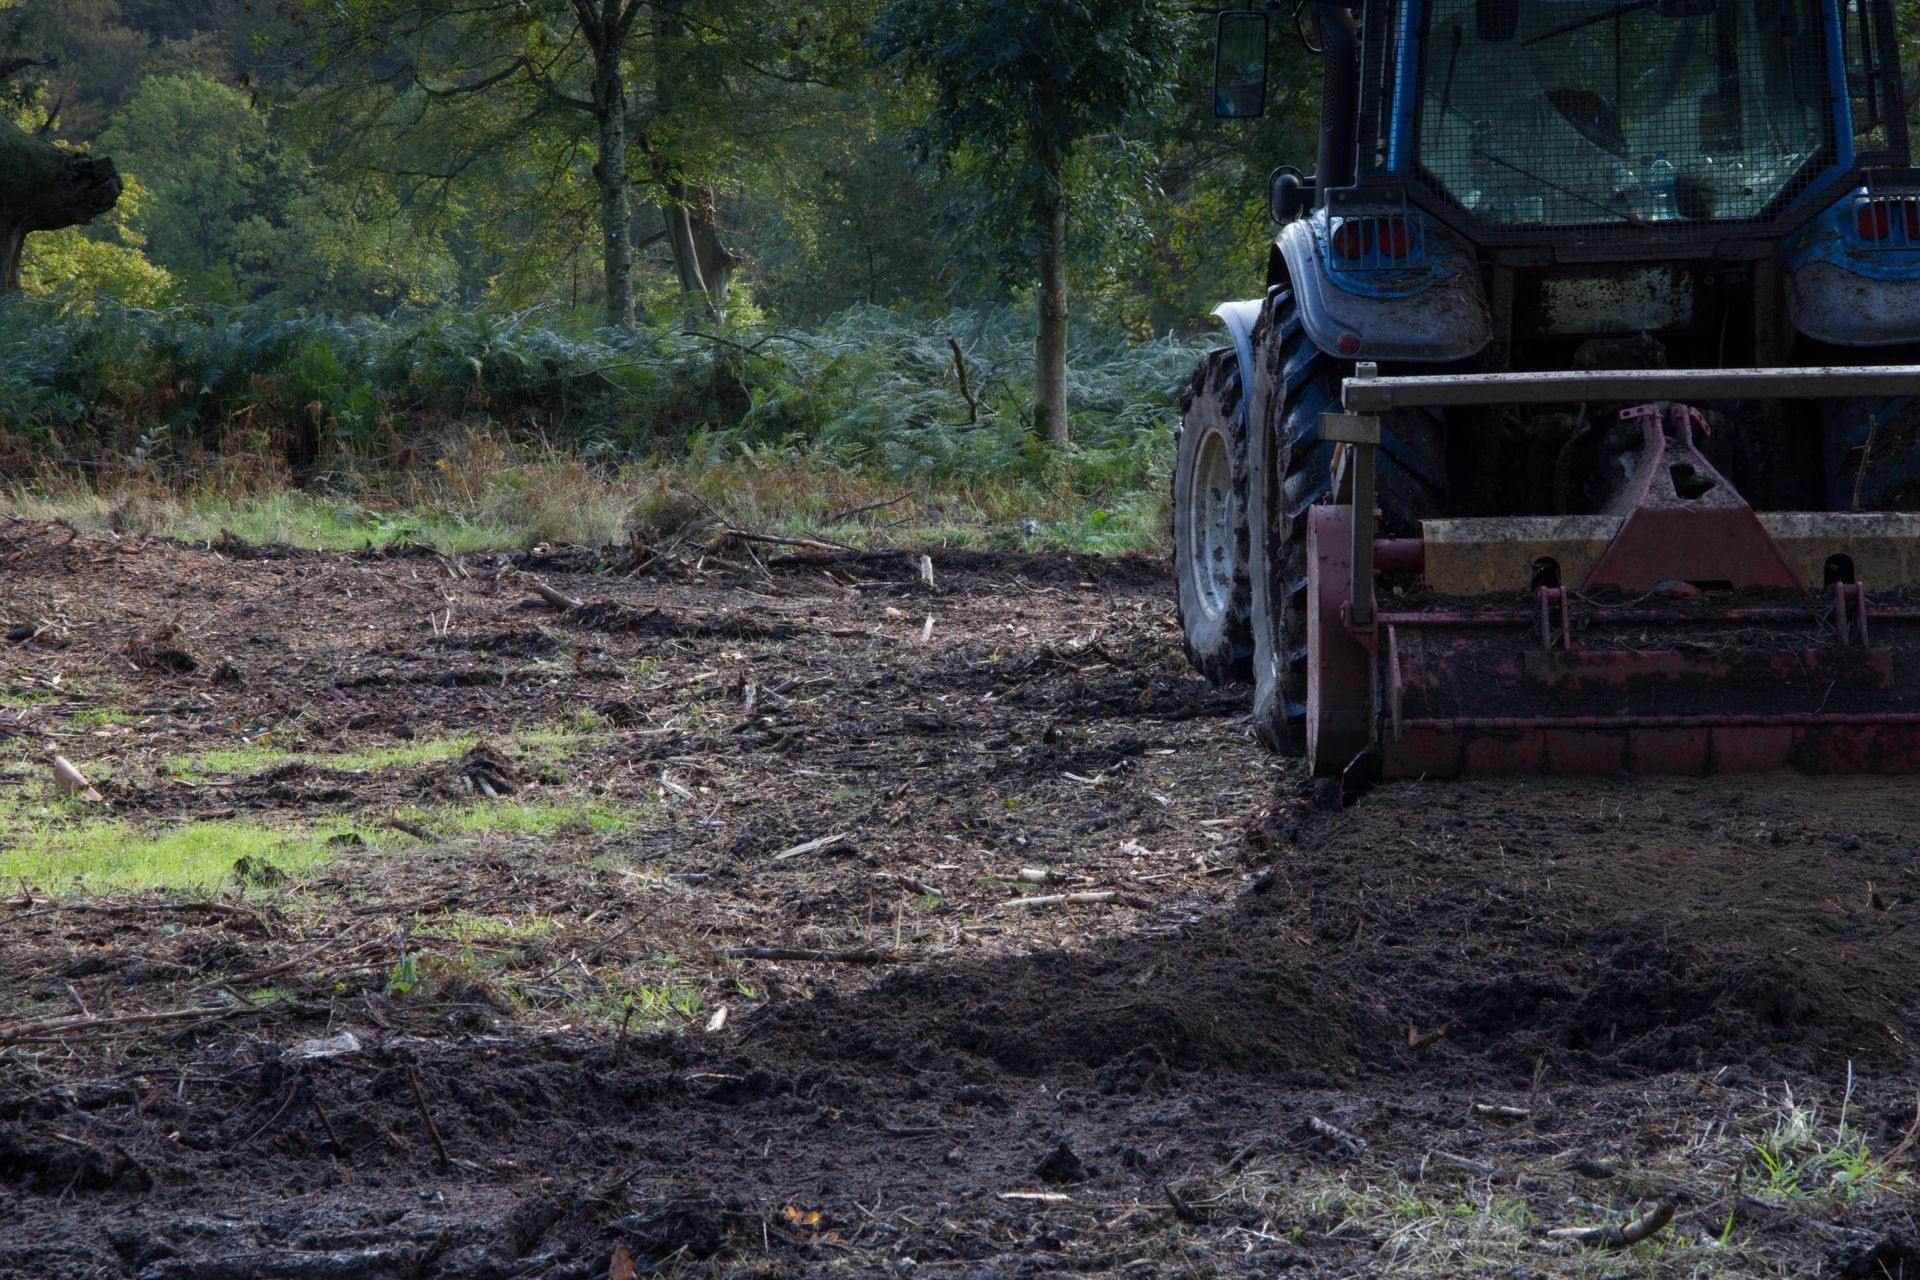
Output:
[[813, 846], [413, 829], [558, 599], [1619, 1235], [810, 544], [108, 908], [1497, 1112], [805, 953], [1076, 899], [1478, 1168], [55, 1030]]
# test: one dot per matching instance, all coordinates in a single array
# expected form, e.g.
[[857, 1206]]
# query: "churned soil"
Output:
[[1269, 1029]]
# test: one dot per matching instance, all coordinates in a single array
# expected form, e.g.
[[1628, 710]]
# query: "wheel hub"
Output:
[[1210, 546]]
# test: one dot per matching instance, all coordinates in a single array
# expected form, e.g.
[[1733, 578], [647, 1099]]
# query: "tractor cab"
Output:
[[1511, 119]]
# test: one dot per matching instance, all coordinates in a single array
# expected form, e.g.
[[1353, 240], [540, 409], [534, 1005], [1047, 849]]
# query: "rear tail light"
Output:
[[1352, 239], [1885, 220], [1374, 240]]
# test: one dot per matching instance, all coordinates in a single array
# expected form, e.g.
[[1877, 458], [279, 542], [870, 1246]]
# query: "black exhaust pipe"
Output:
[[1339, 96]]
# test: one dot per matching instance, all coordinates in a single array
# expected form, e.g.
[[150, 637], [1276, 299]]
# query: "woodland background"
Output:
[[362, 254]]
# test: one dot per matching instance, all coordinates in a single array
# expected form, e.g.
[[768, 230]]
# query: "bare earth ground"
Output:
[[1408, 1039]]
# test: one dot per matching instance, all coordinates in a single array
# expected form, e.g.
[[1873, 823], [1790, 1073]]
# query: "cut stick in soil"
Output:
[[1619, 1235], [1496, 1112], [73, 782]]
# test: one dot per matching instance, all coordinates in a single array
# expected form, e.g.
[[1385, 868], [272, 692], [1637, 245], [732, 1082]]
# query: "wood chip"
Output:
[[718, 1020], [1036, 1197]]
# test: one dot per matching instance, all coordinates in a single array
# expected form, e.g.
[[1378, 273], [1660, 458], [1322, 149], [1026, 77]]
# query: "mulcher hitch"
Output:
[[1676, 632]]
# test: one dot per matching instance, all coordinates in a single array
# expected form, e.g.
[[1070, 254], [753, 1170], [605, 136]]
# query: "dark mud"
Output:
[[1624, 962]]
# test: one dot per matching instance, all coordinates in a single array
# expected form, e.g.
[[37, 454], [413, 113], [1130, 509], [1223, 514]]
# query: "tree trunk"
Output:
[[702, 260], [616, 222], [1050, 347], [43, 188]]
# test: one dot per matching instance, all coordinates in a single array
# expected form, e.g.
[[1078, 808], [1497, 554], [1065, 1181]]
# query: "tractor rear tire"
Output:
[[1290, 469], [1210, 522]]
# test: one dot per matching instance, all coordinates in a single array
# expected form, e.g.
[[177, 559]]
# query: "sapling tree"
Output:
[[1021, 90]]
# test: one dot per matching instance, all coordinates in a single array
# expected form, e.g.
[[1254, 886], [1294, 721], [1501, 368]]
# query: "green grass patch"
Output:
[[91, 855], [98, 717], [528, 817]]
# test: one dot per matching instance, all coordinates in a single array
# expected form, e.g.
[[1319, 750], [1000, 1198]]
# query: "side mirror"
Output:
[[1240, 65], [1289, 193], [1496, 21]]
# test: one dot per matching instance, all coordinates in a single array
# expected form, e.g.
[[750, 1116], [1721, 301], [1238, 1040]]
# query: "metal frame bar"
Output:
[[1367, 393]]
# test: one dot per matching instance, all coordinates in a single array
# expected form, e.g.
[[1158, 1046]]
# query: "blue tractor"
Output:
[[1581, 404]]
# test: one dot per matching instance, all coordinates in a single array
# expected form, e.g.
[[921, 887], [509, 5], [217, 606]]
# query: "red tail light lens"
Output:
[[1882, 219], [1396, 238], [1352, 239]]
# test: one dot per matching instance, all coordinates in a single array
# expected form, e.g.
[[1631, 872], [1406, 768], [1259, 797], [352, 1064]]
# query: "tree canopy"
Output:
[[710, 160]]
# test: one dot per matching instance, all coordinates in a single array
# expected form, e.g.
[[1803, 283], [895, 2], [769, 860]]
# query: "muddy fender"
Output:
[[1432, 311]]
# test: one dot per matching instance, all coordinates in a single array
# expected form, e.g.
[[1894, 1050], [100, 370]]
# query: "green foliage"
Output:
[[1020, 89], [870, 389], [107, 260], [238, 214]]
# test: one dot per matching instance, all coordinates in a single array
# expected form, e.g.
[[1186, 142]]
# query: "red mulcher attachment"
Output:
[[1701, 636]]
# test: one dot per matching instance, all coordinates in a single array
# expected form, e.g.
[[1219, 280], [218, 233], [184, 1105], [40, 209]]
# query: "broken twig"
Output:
[[1618, 1235], [558, 599], [1335, 1132], [426, 1117]]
